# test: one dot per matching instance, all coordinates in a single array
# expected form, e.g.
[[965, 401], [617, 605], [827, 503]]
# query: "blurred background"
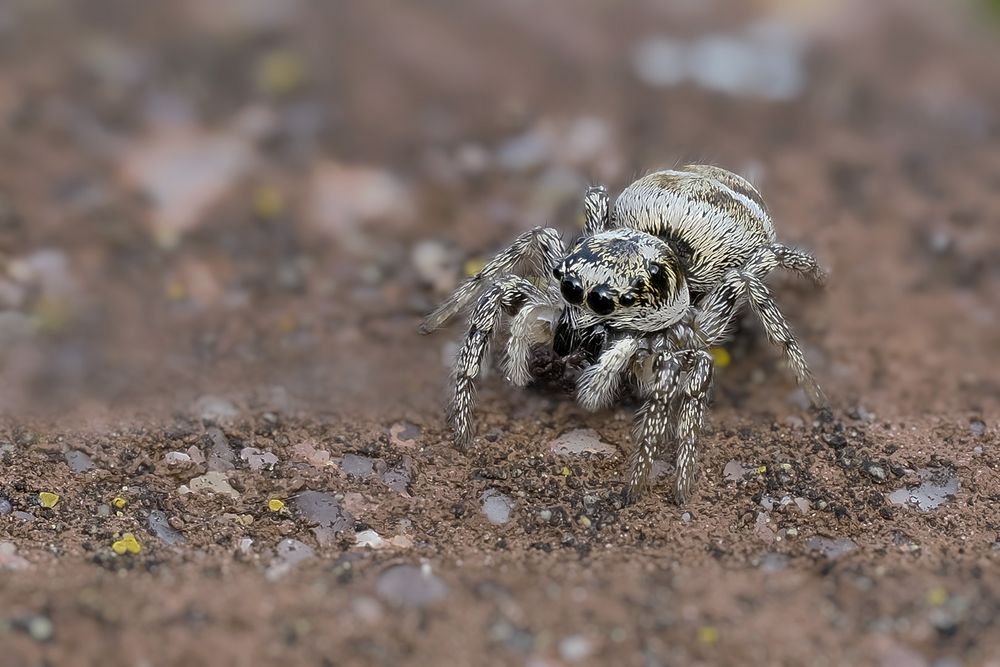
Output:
[[220, 223], [241, 194]]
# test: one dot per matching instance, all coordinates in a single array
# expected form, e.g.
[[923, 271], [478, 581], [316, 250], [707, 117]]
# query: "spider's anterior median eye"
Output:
[[600, 301], [572, 290]]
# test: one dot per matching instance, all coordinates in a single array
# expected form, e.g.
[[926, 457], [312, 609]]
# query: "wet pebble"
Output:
[[936, 487], [497, 506], [357, 466], [581, 441], [410, 586], [399, 478], [308, 452], [289, 554], [78, 461], [161, 527], [220, 454], [258, 459], [977, 426], [832, 548], [324, 510]]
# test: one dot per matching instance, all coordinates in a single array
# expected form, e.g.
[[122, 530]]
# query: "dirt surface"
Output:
[[219, 226]]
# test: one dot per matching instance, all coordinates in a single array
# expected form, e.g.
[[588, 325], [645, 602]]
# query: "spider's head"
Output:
[[624, 275]]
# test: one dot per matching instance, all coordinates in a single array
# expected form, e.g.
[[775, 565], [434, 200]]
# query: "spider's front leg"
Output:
[[541, 245], [510, 294]]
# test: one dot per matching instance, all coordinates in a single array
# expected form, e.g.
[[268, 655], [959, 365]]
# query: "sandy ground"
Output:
[[221, 222]]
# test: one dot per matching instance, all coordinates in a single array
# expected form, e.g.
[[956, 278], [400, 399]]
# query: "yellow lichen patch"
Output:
[[119, 502], [268, 202], [280, 72], [708, 635], [126, 545], [937, 596], [565, 472], [275, 504], [761, 470], [473, 266], [584, 521], [48, 499], [721, 357], [176, 291]]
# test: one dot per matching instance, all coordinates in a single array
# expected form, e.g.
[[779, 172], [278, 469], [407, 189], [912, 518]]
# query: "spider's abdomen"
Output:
[[714, 218]]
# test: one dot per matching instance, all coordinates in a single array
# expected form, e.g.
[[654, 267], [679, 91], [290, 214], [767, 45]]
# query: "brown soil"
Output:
[[134, 335]]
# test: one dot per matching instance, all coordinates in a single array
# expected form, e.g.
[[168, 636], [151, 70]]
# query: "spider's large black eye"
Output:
[[657, 277], [572, 290], [599, 300]]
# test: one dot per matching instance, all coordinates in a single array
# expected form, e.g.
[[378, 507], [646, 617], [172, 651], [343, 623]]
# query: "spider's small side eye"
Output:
[[627, 299], [557, 273], [655, 270]]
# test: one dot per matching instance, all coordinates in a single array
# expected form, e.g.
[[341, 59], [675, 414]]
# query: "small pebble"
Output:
[[290, 553], [410, 586], [368, 538], [40, 628], [213, 482], [48, 499], [581, 441], [161, 527], [575, 648], [258, 459], [176, 458], [497, 506]]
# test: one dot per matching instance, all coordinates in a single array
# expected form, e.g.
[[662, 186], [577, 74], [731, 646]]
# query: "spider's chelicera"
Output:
[[654, 283]]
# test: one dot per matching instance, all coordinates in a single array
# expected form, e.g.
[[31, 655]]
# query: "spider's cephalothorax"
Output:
[[651, 286]]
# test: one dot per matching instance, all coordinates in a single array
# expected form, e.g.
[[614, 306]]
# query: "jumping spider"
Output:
[[653, 284]]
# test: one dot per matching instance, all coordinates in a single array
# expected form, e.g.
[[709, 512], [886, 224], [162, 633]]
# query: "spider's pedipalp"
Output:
[[532, 325], [542, 245], [599, 385]]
